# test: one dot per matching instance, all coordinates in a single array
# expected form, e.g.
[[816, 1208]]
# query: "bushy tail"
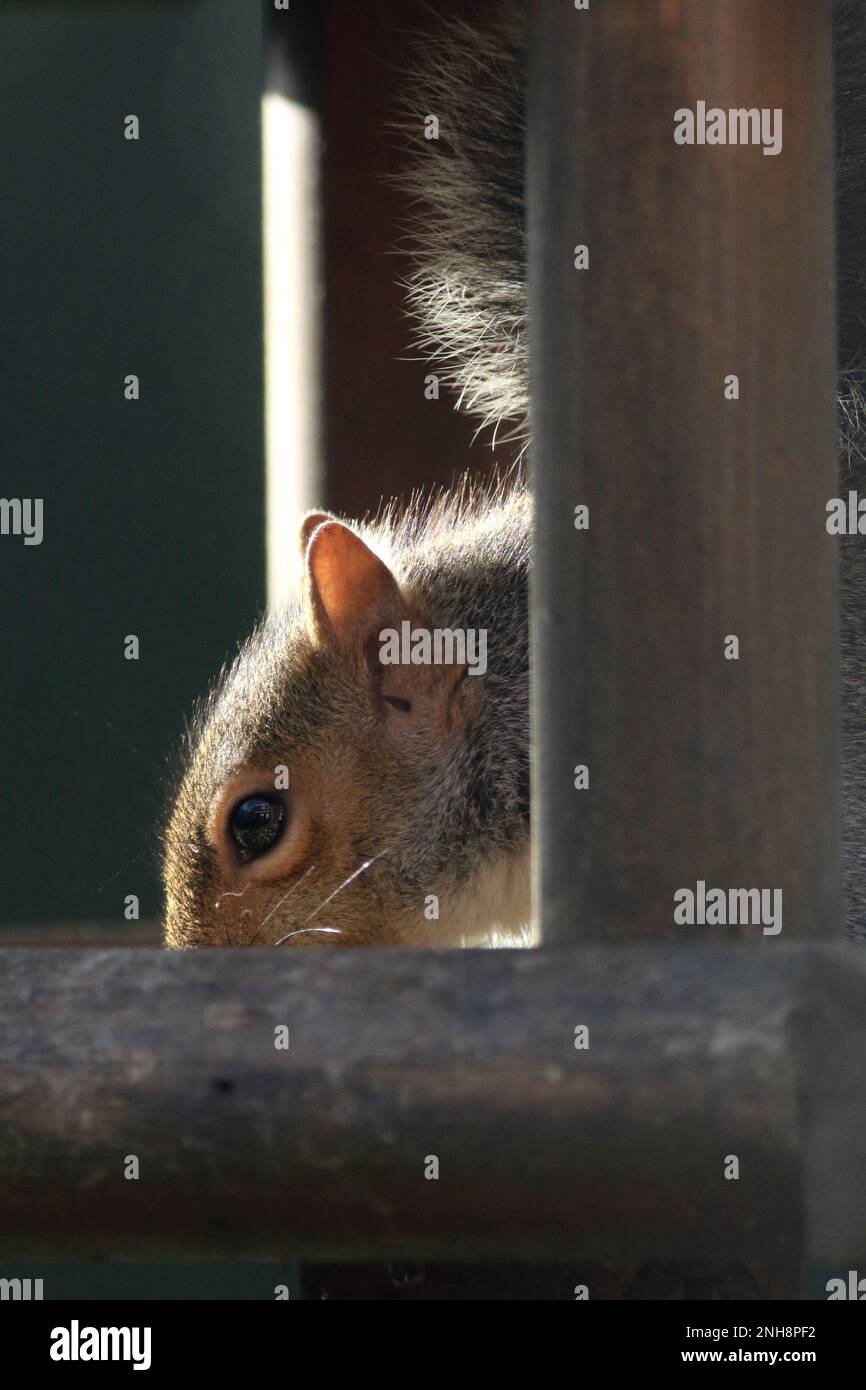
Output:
[[467, 291]]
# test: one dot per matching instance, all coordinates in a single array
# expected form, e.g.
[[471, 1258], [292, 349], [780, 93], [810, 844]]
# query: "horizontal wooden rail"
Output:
[[105, 932], [614, 1152]]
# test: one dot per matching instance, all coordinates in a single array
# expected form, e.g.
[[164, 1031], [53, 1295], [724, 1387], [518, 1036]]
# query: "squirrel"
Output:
[[405, 819], [330, 798]]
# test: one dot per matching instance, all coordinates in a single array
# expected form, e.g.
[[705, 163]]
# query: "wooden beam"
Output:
[[706, 514], [615, 1152], [103, 933]]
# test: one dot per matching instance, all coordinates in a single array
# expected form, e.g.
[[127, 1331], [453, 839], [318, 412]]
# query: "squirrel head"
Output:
[[319, 782]]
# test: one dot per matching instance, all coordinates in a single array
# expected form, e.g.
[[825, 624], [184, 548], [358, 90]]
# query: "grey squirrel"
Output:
[[329, 798], [406, 815]]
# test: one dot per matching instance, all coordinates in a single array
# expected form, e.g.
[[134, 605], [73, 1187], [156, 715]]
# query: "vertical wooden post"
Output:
[[706, 513]]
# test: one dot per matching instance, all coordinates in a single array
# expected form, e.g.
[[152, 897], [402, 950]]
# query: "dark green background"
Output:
[[119, 257]]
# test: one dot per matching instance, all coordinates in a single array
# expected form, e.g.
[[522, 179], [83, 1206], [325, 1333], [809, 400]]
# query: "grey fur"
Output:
[[463, 560], [468, 292], [440, 813]]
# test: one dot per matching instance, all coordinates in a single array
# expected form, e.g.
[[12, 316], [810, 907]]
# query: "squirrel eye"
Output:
[[257, 823]]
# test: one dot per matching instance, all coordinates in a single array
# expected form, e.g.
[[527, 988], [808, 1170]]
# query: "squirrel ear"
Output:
[[351, 592], [308, 526]]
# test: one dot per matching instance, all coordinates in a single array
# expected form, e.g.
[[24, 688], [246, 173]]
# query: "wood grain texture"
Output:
[[103, 933], [612, 1155], [706, 515]]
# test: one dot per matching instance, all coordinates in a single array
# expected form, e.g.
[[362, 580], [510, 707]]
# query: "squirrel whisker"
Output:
[[218, 904], [279, 904], [228, 894], [301, 931], [346, 881]]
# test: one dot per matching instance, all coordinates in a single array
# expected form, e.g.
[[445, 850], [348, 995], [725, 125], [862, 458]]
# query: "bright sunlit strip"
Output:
[[291, 306]]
